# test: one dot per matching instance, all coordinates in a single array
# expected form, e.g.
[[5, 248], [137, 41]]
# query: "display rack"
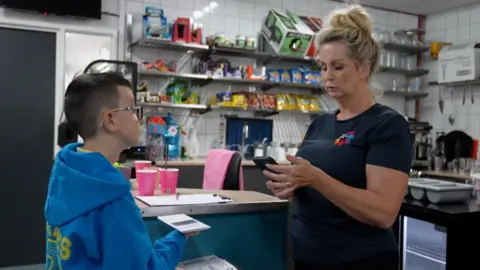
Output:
[[264, 57], [202, 109], [268, 58]]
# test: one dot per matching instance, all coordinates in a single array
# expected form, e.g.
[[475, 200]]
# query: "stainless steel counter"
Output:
[[243, 201]]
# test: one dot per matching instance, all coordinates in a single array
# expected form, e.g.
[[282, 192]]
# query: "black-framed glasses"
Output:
[[138, 110]]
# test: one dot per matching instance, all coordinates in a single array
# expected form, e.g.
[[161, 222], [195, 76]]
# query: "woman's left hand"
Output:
[[300, 174]]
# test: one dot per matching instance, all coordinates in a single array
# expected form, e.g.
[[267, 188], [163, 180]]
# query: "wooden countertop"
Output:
[[448, 174], [236, 196], [201, 162]]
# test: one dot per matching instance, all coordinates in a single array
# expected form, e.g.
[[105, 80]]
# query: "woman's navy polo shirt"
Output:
[[323, 233]]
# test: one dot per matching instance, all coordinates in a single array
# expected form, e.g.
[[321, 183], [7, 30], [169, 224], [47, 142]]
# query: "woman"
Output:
[[351, 172]]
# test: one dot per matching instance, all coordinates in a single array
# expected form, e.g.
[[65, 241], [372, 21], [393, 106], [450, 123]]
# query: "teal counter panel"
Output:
[[251, 241]]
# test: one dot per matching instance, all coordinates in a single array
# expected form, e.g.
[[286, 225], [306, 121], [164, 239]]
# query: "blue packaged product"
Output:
[[284, 75], [296, 75], [273, 75], [309, 77]]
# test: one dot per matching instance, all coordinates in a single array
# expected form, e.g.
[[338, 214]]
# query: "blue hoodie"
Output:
[[94, 223]]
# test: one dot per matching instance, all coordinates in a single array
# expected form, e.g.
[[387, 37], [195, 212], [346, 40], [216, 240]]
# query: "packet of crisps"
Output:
[[282, 102]]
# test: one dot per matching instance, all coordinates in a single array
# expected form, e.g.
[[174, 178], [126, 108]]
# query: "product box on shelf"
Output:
[[155, 24], [284, 35], [459, 63], [308, 26]]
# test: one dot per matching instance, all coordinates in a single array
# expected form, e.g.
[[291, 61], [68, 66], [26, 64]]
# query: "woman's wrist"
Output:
[[317, 176]]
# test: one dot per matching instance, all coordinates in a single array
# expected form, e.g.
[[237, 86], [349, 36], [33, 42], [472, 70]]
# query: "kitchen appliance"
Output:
[[421, 143], [459, 63]]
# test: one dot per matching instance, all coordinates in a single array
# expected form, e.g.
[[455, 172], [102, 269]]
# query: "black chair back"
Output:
[[232, 177]]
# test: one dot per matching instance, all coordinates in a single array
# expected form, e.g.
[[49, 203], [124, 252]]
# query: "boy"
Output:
[[92, 219]]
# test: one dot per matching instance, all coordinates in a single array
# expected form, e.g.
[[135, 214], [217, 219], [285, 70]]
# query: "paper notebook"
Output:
[[187, 199], [207, 263], [183, 223]]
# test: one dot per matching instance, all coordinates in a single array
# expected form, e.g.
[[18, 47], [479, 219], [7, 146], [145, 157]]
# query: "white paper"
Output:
[[187, 199], [184, 223], [207, 263]]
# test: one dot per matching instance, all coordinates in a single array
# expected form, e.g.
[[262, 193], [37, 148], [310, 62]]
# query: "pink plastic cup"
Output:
[[157, 179], [142, 164], [146, 180], [168, 180]]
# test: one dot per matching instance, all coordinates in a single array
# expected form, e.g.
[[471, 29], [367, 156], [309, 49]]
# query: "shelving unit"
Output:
[[202, 109], [405, 49], [455, 83], [267, 58], [204, 80]]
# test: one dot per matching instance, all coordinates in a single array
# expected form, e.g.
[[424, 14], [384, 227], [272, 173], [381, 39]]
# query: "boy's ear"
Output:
[[108, 121]]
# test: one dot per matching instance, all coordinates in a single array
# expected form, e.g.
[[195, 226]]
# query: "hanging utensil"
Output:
[[471, 94], [464, 93], [451, 117], [441, 104]]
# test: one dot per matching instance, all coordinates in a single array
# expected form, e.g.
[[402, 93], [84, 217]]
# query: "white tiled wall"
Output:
[[245, 18], [457, 26]]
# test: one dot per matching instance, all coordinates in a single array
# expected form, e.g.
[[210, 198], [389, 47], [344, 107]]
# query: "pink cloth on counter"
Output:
[[215, 170]]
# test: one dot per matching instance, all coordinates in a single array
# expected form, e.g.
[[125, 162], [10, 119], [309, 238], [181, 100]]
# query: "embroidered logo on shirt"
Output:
[[345, 138]]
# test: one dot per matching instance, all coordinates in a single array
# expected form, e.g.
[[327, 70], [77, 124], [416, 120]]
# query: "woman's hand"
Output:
[[283, 191], [300, 174]]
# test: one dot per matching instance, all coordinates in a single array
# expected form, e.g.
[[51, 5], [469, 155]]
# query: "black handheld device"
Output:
[[261, 163]]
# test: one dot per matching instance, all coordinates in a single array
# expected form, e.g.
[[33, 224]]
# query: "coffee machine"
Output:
[[422, 144]]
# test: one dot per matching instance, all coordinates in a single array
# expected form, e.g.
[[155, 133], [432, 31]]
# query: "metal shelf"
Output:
[[201, 109], [225, 51], [436, 254], [462, 83], [406, 72], [406, 49], [168, 45], [204, 80], [406, 94]]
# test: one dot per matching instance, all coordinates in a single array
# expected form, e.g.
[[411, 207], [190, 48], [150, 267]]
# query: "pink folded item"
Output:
[[216, 166]]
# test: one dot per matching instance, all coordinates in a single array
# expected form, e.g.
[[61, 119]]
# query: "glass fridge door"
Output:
[[424, 245]]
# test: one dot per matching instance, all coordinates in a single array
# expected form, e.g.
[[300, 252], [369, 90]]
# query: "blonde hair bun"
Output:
[[354, 16]]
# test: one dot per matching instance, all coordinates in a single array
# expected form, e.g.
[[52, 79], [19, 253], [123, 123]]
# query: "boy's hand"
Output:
[[192, 234]]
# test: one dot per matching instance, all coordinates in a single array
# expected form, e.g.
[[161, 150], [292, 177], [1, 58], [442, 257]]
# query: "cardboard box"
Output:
[[308, 25], [459, 63], [285, 36]]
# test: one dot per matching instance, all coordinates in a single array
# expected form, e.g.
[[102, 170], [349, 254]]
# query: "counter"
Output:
[[198, 162], [250, 232], [243, 202], [447, 175]]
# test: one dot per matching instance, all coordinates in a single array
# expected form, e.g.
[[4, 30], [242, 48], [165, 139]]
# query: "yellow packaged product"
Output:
[[239, 100], [314, 104], [303, 103], [282, 102], [292, 101]]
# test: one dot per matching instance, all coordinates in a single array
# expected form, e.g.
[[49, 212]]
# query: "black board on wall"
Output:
[[27, 106]]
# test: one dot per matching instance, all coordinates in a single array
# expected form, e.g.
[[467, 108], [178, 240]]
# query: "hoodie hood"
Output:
[[81, 182]]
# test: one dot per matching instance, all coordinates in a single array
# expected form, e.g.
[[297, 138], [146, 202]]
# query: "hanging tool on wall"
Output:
[[441, 104], [465, 90]]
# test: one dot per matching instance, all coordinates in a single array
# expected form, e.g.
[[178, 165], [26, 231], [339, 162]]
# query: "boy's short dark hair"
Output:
[[86, 95]]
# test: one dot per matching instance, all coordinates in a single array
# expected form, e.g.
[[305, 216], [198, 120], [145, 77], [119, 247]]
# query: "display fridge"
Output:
[[424, 245], [438, 237]]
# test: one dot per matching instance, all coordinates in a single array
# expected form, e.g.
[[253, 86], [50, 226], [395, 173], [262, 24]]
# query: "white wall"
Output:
[[457, 26], [245, 18]]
